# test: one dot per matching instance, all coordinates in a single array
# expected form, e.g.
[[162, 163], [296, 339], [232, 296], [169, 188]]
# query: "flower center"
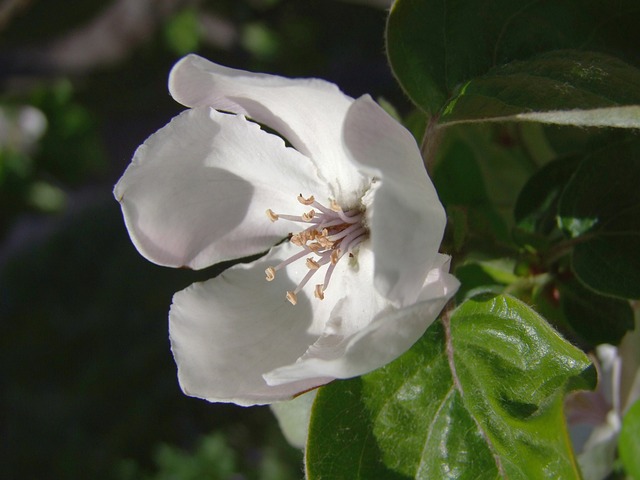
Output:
[[332, 233]]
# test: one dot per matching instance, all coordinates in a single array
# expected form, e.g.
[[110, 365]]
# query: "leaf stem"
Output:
[[430, 143]]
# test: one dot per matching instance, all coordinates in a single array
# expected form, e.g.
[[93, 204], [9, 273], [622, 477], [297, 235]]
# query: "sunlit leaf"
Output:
[[562, 87], [629, 444], [482, 399]]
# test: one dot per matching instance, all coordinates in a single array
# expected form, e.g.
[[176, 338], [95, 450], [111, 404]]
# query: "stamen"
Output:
[[332, 233]]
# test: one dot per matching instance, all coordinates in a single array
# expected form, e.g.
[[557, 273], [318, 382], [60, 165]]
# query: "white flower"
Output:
[[196, 194]]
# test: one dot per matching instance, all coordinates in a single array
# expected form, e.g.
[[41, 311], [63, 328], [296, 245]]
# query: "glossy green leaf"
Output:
[[629, 441], [480, 399], [564, 87], [436, 46], [600, 210]]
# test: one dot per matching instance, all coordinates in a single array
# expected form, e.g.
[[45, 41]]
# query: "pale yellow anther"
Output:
[[306, 201], [272, 216], [293, 299], [309, 215], [315, 247], [335, 256], [271, 273], [335, 206], [325, 242], [312, 264], [297, 240], [318, 292]]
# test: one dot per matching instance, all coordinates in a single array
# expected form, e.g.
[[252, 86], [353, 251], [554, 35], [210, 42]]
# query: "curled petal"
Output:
[[309, 113], [406, 217], [196, 191], [342, 354]]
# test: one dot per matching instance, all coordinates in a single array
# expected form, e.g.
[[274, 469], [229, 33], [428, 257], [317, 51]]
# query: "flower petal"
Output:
[[293, 417], [227, 332], [197, 190], [309, 113], [406, 217], [392, 332]]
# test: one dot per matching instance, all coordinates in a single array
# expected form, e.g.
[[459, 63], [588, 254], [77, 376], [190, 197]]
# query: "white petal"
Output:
[[309, 113], [227, 332], [406, 217], [342, 354], [197, 190], [293, 417]]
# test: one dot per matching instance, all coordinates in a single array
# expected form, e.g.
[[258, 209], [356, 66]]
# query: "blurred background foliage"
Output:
[[88, 383]]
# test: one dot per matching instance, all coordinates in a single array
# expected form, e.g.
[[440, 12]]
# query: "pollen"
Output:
[[333, 233]]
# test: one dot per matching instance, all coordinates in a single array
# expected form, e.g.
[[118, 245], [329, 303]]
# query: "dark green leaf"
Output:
[[435, 47], [480, 400], [536, 209], [600, 209], [479, 170], [564, 87], [491, 275], [595, 318]]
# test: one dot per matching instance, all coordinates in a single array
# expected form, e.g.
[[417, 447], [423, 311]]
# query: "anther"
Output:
[[296, 240], [309, 215], [271, 273], [306, 201], [329, 234], [272, 216], [292, 297], [312, 264]]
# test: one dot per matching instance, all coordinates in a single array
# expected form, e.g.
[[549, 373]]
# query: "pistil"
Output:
[[332, 233]]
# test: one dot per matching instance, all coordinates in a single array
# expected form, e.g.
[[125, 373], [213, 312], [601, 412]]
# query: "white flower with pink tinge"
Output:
[[353, 226]]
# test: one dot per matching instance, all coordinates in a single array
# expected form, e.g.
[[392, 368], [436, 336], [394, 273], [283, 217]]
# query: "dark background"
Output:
[[88, 384]]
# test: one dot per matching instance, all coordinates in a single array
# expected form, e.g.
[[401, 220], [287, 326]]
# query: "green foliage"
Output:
[[435, 47], [572, 87], [628, 443], [182, 32], [479, 397], [212, 459], [600, 211]]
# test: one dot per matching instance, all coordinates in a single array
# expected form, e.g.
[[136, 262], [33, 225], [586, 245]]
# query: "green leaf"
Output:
[[479, 397], [489, 275], [480, 169], [564, 87], [435, 47], [600, 210], [183, 32], [595, 318], [537, 205], [628, 444]]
